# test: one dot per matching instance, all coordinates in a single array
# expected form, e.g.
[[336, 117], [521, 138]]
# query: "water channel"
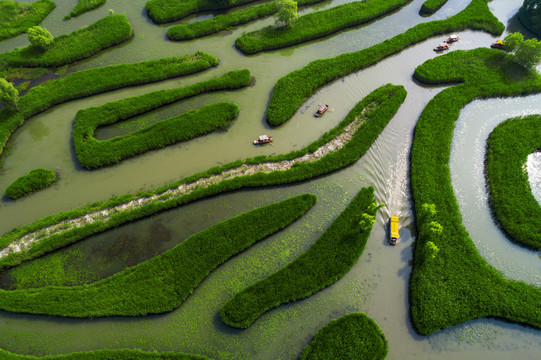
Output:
[[377, 284]]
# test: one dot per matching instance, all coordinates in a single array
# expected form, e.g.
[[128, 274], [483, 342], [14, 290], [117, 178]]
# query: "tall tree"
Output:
[[9, 96], [40, 37], [287, 12], [527, 52]]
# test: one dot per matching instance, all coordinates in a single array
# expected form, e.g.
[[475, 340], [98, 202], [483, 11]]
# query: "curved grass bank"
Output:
[[35, 180], [16, 17], [121, 354], [66, 49], [451, 283], [93, 153], [95, 81], [202, 28], [429, 7], [163, 11], [162, 283], [293, 89], [83, 6], [316, 25], [353, 336], [336, 149], [512, 201], [327, 261]]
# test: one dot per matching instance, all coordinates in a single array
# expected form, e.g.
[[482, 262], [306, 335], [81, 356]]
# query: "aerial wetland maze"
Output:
[[450, 282]]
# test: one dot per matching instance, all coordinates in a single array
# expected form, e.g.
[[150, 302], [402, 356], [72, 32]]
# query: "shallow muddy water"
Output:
[[376, 285]]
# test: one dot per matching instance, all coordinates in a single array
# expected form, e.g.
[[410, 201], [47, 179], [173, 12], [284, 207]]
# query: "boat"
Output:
[[441, 47], [497, 45], [321, 110], [263, 139], [393, 230], [451, 39]]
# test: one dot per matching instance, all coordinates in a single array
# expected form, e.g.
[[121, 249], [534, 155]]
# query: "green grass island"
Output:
[[253, 266]]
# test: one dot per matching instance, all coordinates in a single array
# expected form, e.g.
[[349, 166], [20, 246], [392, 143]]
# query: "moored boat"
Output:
[[263, 139], [497, 45]]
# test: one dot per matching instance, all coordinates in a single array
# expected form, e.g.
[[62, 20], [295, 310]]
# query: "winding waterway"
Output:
[[377, 284]]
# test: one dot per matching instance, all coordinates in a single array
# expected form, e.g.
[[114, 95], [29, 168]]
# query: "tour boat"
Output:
[[497, 45], [263, 139], [393, 230], [441, 47], [451, 39], [321, 110]]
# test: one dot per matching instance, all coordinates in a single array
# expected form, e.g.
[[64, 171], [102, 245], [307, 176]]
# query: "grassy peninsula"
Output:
[[163, 11], [429, 7], [35, 180], [327, 261], [83, 6], [451, 283], [512, 201], [16, 17], [293, 89]]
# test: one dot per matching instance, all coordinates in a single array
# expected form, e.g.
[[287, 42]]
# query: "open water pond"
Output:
[[376, 285]]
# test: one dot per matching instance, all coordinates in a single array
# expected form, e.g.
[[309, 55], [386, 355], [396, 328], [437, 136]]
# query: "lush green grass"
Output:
[[35, 180], [122, 354], [381, 106], [512, 201], [293, 89], [353, 337], [67, 49], [95, 81], [162, 283], [93, 153], [316, 25], [327, 261], [202, 28], [429, 7], [16, 17], [451, 283], [84, 6], [163, 11]]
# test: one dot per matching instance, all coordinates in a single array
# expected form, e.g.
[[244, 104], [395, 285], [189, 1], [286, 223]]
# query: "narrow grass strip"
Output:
[[327, 261], [293, 89], [67, 49], [91, 82], [16, 18], [162, 283], [354, 336], [336, 149], [451, 282], [163, 11], [35, 180], [93, 153], [121, 354], [316, 25], [511, 198], [202, 28], [429, 7], [83, 6]]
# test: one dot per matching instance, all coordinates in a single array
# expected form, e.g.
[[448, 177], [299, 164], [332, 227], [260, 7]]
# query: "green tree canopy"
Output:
[[530, 15], [9, 96], [527, 52], [40, 37], [287, 13], [512, 40]]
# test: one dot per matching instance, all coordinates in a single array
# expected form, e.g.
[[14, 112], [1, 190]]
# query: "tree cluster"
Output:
[[527, 52]]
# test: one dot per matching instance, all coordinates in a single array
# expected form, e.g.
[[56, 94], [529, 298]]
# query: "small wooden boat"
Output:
[[497, 45], [451, 39], [393, 230], [263, 139], [441, 47], [321, 110]]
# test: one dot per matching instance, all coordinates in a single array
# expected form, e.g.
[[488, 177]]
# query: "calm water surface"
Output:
[[377, 284]]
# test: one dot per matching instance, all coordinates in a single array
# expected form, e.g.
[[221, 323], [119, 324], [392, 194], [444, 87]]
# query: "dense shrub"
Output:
[[384, 102], [162, 11], [512, 201], [353, 336], [35, 180], [120, 354], [327, 261], [316, 25], [451, 283], [530, 15], [78, 45], [93, 153], [16, 17], [83, 6], [162, 283], [293, 89], [40, 38], [429, 7], [94, 81]]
